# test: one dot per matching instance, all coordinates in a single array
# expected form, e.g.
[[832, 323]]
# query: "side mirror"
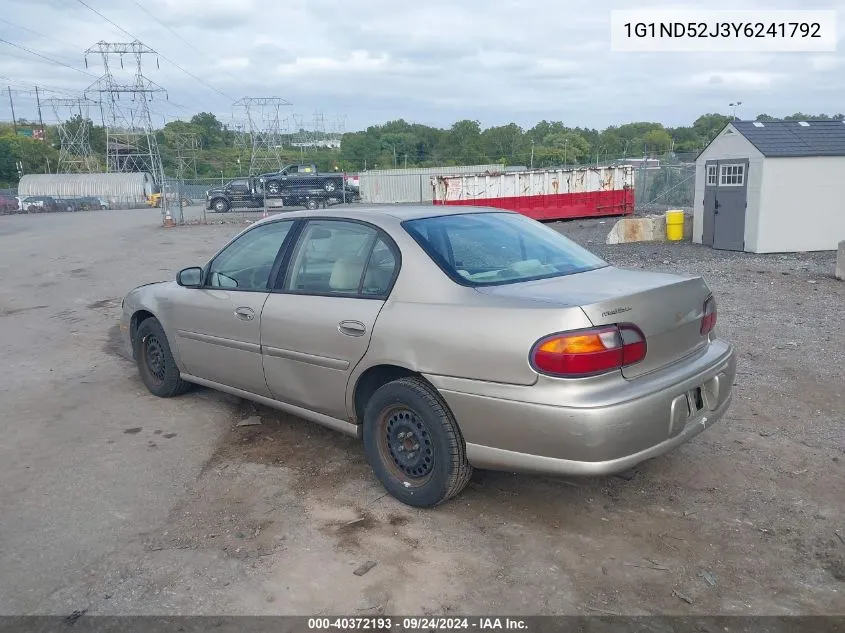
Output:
[[190, 277]]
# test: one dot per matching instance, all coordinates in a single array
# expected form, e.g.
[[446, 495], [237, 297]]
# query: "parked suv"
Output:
[[8, 205]]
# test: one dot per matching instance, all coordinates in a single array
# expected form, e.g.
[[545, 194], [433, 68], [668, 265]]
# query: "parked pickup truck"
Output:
[[302, 176], [247, 193]]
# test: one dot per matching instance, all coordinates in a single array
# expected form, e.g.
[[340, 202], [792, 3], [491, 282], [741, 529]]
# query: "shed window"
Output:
[[711, 175], [732, 175]]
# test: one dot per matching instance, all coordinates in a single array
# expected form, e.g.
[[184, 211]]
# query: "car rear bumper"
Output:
[[591, 428]]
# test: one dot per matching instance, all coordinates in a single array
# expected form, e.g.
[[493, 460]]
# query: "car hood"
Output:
[[150, 283]]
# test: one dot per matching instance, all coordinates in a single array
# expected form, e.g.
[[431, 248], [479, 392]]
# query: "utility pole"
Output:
[[532, 154], [40, 119], [394, 157], [12, 105]]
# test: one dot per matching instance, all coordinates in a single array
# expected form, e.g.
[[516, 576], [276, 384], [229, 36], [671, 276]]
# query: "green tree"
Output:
[[210, 129], [463, 145], [564, 148], [657, 140], [504, 143], [707, 126]]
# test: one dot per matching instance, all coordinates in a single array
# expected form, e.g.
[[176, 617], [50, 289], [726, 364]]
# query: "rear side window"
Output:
[[338, 257], [479, 249]]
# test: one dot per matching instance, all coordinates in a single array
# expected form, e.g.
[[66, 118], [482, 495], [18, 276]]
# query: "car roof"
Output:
[[379, 212]]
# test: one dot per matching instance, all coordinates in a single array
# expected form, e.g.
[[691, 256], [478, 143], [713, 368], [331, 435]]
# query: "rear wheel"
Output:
[[414, 445], [312, 204], [155, 361], [220, 206]]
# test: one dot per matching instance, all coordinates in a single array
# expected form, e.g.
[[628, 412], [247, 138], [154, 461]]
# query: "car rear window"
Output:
[[481, 249]]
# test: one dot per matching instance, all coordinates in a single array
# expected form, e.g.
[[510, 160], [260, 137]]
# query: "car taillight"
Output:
[[589, 352], [708, 321]]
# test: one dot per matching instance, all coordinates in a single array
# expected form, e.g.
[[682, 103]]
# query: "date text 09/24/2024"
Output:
[[416, 624]]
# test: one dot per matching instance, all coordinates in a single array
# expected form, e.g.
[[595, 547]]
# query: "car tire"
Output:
[[330, 185], [185, 203], [414, 445], [220, 206], [156, 365], [312, 204], [273, 188]]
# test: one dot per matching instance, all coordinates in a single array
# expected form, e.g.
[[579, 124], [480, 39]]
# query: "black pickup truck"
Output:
[[248, 193], [302, 176]]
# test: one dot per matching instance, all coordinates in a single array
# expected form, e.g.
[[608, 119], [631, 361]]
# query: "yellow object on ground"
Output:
[[674, 225]]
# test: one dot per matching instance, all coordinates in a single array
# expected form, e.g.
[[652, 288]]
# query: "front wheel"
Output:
[[414, 445], [220, 206], [312, 204], [273, 188], [158, 370]]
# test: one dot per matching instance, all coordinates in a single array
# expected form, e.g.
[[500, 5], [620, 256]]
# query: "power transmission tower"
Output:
[[318, 129], [186, 145], [130, 139], [240, 139], [73, 124], [265, 132]]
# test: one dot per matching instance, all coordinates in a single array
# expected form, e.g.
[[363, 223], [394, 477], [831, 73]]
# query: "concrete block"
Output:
[[688, 227], [650, 228], [840, 262]]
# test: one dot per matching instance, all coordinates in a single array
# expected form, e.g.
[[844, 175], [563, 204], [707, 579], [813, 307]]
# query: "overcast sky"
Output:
[[432, 62]]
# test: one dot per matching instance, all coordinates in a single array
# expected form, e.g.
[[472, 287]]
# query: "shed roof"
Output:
[[795, 138]]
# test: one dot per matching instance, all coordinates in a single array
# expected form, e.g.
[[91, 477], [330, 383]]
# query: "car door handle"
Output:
[[352, 328], [244, 313]]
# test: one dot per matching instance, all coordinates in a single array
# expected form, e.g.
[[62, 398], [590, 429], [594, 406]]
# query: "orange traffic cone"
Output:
[[168, 219]]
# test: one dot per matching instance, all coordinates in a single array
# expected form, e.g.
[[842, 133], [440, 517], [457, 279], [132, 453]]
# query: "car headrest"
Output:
[[346, 274]]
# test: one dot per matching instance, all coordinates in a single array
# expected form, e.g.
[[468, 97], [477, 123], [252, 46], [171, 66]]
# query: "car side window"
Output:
[[380, 270], [246, 263], [334, 257]]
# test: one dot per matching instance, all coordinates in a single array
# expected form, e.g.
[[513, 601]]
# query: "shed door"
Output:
[[729, 206], [711, 184]]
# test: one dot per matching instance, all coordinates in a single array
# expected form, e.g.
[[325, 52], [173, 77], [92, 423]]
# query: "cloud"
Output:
[[500, 61], [735, 80]]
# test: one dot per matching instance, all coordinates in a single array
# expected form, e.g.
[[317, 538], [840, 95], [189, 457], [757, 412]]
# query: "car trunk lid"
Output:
[[667, 308]]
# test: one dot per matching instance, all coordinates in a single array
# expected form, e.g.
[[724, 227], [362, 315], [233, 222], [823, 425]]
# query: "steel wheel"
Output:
[[405, 445], [413, 443], [154, 359], [158, 370]]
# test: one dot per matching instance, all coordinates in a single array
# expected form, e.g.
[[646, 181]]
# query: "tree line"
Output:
[[392, 144]]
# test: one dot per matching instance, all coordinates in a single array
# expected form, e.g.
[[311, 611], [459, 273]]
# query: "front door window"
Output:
[[247, 262]]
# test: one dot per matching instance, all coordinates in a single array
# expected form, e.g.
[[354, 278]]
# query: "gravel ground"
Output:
[[747, 519]]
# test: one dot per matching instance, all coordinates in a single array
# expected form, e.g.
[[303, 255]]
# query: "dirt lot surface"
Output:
[[117, 502]]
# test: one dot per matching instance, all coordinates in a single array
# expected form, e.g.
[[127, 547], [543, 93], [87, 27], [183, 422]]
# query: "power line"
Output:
[[49, 59], [182, 39], [190, 74], [48, 37]]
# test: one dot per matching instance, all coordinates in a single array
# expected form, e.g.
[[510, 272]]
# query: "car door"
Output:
[[218, 326], [238, 191], [317, 323]]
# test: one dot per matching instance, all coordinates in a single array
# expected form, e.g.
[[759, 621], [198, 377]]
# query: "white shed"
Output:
[[772, 187]]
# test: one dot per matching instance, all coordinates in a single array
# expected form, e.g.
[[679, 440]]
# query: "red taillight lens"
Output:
[[708, 321], [589, 352]]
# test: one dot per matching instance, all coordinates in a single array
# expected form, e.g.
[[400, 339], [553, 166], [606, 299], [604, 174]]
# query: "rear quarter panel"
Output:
[[430, 324]]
